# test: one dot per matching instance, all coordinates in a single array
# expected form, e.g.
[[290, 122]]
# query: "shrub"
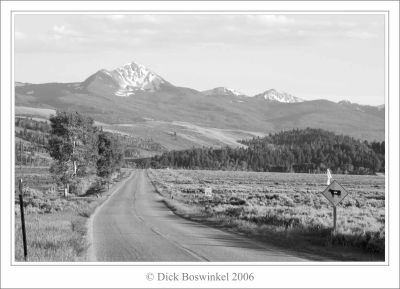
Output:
[[235, 201], [81, 185], [234, 211]]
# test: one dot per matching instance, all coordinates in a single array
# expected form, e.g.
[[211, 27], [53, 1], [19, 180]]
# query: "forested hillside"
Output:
[[31, 138], [32, 134], [298, 150]]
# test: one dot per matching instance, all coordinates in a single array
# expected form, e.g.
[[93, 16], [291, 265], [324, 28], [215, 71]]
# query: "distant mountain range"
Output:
[[150, 106], [132, 78], [273, 95], [223, 91], [269, 95]]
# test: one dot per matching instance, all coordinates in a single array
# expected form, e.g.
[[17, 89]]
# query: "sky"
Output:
[[329, 56]]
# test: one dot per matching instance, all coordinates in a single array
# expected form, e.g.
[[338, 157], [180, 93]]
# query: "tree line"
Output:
[[299, 150], [33, 131], [36, 133], [31, 141], [30, 123]]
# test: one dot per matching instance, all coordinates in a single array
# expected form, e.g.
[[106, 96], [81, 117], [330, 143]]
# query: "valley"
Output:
[[225, 133]]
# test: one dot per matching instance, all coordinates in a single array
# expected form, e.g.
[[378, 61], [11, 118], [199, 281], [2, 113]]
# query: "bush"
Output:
[[81, 185], [97, 187], [235, 201], [234, 211]]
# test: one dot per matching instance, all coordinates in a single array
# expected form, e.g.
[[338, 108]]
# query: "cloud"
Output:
[[272, 19], [18, 35], [67, 33], [64, 30], [131, 31], [120, 19], [116, 17], [59, 29], [364, 35]]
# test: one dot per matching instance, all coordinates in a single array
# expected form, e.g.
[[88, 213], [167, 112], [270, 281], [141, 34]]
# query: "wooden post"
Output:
[[20, 156], [334, 218], [21, 206]]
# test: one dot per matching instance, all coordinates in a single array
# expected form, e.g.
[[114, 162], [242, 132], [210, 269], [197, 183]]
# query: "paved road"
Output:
[[135, 225]]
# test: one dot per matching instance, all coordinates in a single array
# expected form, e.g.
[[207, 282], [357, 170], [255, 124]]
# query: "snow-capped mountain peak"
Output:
[[345, 102], [273, 95], [223, 91], [126, 80], [133, 77]]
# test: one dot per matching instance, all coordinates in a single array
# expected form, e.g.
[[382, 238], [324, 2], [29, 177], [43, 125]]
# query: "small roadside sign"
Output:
[[208, 192], [335, 193]]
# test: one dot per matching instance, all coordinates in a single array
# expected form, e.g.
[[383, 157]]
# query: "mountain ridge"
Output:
[[132, 96], [221, 90], [133, 77], [274, 95]]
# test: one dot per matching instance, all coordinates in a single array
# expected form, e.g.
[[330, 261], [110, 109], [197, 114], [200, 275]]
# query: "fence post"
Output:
[[21, 205], [66, 190]]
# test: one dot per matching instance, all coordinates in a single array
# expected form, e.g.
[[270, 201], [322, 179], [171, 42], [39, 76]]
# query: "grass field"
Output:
[[287, 209], [56, 227], [33, 111]]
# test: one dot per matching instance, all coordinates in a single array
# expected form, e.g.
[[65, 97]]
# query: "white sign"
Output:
[[328, 173], [208, 192]]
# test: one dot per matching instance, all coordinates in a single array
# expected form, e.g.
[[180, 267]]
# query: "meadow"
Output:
[[56, 227], [284, 208]]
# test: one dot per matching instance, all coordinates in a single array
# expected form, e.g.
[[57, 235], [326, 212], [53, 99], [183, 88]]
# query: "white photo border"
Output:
[[140, 269]]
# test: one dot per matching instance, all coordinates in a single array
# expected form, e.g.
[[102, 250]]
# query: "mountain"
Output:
[[125, 81], [369, 109], [273, 95], [269, 95], [223, 91], [20, 83], [134, 100]]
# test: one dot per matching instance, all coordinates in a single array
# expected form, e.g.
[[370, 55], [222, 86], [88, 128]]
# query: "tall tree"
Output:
[[72, 145], [110, 155]]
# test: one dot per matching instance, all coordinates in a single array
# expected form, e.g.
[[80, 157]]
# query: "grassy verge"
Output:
[[296, 227], [52, 237], [56, 228]]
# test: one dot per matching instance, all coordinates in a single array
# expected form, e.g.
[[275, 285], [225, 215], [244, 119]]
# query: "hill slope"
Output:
[[136, 96], [308, 150]]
